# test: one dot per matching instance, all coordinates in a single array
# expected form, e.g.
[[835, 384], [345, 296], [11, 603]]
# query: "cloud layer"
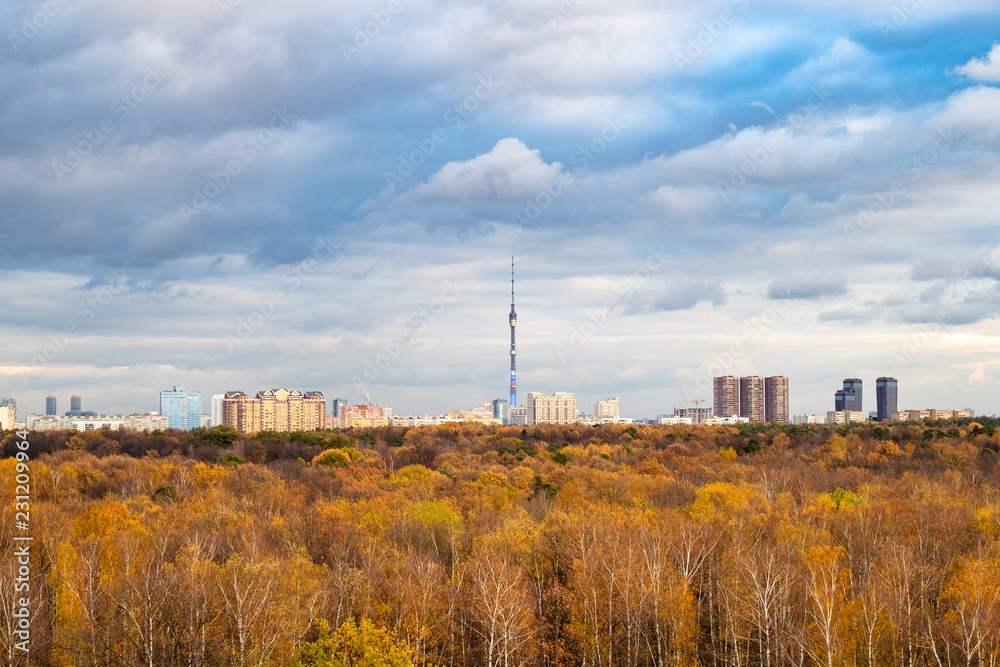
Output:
[[243, 195]]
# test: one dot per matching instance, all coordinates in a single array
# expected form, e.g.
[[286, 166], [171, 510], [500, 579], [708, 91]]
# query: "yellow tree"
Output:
[[972, 598], [825, 584], [501, 609], [254, 622]]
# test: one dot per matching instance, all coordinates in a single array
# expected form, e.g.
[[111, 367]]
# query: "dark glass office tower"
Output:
[[885, 395], [849, 398]]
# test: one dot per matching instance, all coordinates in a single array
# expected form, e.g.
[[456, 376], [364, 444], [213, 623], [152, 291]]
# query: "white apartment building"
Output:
[[559, 408]]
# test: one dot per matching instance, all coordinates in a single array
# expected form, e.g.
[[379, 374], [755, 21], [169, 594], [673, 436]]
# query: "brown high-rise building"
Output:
[[752, 398], [274, 410], [776, 399], [241, 412], [726, 395]]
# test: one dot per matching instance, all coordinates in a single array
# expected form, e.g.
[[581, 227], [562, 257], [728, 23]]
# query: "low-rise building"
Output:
[[696, 415], [917, 415], [835, 417], [676, 420], [808, 419], [727, 421]]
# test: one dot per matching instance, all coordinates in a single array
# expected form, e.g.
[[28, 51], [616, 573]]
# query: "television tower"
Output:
[[513, 349]]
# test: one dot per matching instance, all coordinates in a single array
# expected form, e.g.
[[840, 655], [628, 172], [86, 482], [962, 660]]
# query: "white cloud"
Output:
[[973, 112], [983, 69], [979, 376], [510, 171]]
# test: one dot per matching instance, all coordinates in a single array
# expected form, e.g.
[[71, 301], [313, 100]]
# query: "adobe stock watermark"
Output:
[[555, 188], [32, 24], [223, 7], [914, 169], [724, 362], [627, 287], [121, 108], [87, 311], [982, 283], [247, 151], [363, 35], [562, 12], [453, 118], [899, 16], [703, 41], [391, 350], [742, 173], [323, 251]]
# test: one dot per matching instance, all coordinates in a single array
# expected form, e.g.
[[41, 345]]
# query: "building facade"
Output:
[[76, 408], [776, 399], [752, 398], [216, 409], [726, 396], [338, 404], [9, 402], [7, 417], [500, 410], [517, 415], [182, 408], [886, 390], [274, 410], [609, 407], [917, 415], [696, 415], [845, 417], [50, 406], [559, 408], [360, 415], [850, 397], [807, 419]]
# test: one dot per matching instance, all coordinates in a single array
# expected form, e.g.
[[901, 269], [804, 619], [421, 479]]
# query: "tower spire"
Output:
[[513, 348]]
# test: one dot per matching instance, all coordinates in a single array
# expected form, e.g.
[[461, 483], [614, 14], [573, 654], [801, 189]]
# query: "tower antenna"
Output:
[[513, 348]]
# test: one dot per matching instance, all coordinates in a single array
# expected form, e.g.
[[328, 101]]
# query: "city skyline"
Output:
[[761, 402], [747, 186]]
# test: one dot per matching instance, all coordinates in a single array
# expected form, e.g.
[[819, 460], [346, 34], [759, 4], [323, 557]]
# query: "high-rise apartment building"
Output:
[[886, 390], [500, 410], [7, 417], [776, 399], [559, 408], [517, 415], [337, 405], [609, 407], [726, 396], [181, 408], [241, 412], [76, 408], [9, 402], [274, 410], [849, 398], [752, 398], [216, 409], [50, 406]]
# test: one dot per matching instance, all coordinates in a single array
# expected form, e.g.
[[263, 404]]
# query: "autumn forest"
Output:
[[470, 545]]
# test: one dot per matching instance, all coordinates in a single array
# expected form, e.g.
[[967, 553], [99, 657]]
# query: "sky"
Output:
[[243, 195]]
